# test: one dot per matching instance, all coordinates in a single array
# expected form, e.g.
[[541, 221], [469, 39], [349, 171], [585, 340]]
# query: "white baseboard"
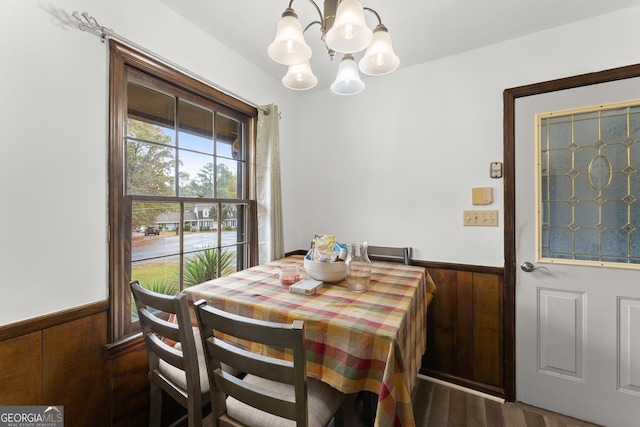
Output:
[[461, 388]]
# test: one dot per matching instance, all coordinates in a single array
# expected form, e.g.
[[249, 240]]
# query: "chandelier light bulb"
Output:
[[289, 46], [348, 80], [300, 77], [379, 58], [349, 32]]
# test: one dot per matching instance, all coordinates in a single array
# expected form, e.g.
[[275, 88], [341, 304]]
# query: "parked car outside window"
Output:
[[152, 231]]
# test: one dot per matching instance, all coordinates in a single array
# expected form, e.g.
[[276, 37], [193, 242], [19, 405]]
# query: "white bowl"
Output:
[[325, 271]]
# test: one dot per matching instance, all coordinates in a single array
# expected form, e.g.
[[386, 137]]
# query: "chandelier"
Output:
[[344, 30]]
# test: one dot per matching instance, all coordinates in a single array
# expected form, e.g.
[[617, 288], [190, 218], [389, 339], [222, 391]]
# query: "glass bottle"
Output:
[[358, 266]]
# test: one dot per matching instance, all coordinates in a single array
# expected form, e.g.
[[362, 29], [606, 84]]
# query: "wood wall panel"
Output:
[[130, 388], [444, 328], [75, 370], [21, 370], [487, 328], [465, 315], [59, 359], [465, 332]]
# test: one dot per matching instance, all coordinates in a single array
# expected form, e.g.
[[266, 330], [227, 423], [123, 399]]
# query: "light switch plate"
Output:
[[481, 218]]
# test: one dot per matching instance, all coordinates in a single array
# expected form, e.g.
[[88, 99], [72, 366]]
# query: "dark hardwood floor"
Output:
[[438, 405], [442, 406]]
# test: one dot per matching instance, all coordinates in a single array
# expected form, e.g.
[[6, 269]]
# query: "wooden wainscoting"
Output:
[[65, 359], [465, 337], [59, 359], [130, 384]]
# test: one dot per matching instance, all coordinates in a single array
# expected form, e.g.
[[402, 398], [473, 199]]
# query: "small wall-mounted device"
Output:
[[496, 170], [482, 195]]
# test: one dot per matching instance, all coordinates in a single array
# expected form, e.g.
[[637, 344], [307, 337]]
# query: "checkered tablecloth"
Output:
[[355, 341]]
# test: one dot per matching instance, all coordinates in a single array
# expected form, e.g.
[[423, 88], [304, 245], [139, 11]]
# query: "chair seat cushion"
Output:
[[323, 402], [179, 377]]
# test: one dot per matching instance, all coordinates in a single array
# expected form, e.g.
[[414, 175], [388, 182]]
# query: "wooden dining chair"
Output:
[[172, 350], [276, 391], [390, 253]]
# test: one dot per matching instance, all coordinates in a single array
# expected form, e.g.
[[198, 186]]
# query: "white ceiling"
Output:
[[422, 30]]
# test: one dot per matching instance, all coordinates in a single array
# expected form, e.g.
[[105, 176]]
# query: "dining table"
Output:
[[355, 341]]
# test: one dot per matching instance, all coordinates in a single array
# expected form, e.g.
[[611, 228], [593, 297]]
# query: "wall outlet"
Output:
[[481, 218]]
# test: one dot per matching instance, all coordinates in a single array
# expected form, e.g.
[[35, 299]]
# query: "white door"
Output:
[[578, 326]]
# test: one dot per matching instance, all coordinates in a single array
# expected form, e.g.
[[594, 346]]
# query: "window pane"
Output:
[[152, 114], [585, 130], [228, 137], [195, 128], [230, 221], [150, 152], [148, 245], [159, 275], [208, 264], [560, 134], [197, 174], [227, 172], [149, 169], [614, 125]]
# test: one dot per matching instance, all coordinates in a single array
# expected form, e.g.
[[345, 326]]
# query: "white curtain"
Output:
[[269, 191]]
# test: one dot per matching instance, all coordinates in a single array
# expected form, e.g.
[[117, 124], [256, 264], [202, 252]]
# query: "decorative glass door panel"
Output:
[[589, 185]]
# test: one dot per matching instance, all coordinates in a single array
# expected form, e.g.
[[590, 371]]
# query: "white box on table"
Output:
[[305, 286]]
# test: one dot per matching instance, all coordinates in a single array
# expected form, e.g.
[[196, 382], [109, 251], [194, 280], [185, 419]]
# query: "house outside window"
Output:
[[181, 208]]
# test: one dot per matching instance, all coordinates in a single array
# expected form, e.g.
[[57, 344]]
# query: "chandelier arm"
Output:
[[319, 13], [310, 24], [374, 12], [317, 10]]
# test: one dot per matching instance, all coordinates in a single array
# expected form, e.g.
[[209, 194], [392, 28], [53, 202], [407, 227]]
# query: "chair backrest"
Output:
[[267, 393], [389, 253], [171, 348]]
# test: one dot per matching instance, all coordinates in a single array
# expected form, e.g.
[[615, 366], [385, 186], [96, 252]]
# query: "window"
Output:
[[590, 185], [181, 209]]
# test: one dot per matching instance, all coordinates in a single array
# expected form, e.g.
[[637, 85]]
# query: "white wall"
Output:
[[53, 179], [395, 164]]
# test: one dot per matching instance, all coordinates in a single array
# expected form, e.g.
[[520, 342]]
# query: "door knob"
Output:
[[529, 267]]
